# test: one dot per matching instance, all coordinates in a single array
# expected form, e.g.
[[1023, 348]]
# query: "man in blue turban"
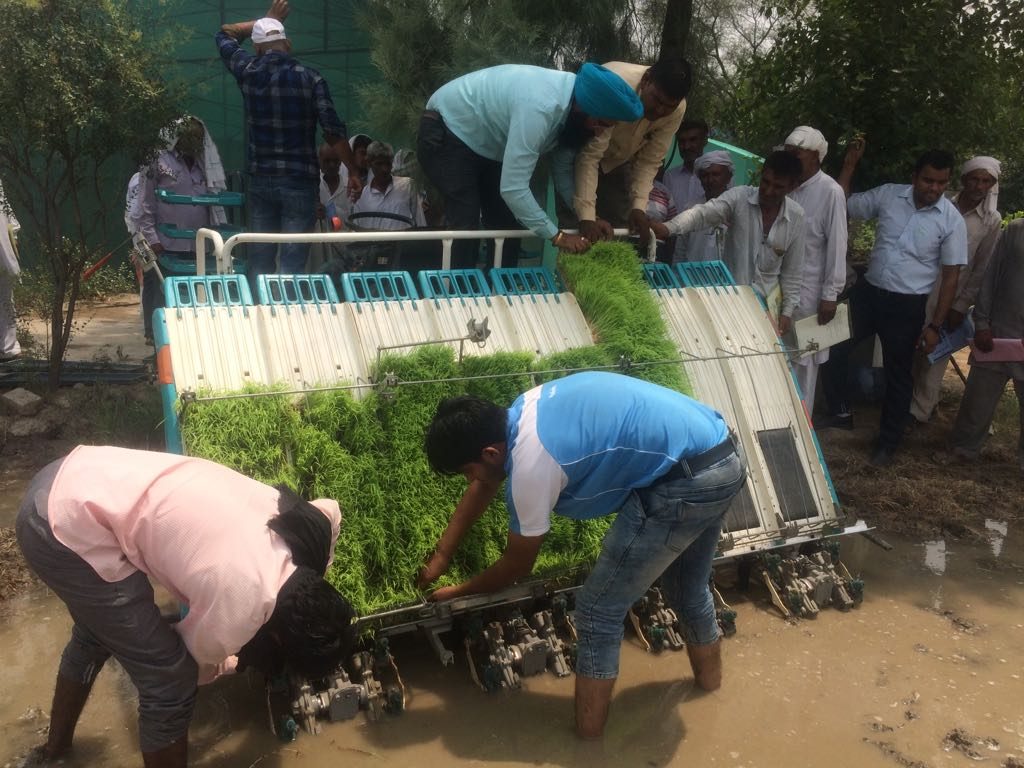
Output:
[[482, 134]]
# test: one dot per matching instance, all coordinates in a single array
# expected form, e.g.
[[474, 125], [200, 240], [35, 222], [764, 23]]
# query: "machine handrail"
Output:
[[222, 248]]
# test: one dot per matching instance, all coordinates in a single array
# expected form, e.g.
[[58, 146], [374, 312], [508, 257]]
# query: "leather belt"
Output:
[[432, 114], [691, 466]]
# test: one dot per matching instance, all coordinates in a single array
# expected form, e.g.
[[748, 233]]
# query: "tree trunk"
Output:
[[56, 334], [676, 29]]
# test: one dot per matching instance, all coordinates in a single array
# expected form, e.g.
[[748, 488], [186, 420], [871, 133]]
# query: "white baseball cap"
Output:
[[268, 30]]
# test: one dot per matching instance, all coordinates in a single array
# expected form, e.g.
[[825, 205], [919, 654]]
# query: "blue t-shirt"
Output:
[[579, 445]]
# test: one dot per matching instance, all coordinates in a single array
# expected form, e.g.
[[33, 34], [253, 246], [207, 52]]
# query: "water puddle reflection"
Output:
[[926, 672]]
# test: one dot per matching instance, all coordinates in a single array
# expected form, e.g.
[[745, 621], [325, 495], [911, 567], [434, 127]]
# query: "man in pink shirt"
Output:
[[247, 559]]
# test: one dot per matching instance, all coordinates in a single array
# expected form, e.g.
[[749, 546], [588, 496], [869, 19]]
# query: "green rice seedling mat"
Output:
[[368, 453]]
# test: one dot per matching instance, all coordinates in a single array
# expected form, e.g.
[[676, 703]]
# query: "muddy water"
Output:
[[938, 645]]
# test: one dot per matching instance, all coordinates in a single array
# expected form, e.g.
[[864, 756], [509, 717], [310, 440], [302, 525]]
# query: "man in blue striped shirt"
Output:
[[586, 446], [284, 102], [920, 241]]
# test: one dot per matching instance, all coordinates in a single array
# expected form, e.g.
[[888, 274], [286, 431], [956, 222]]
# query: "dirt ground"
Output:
[[917, 496]]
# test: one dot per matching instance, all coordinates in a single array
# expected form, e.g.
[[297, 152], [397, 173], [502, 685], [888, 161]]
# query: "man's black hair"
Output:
[[673, 76], [693, 124], [310, 633], [575, 133], [460, 430], [939, 159], [361, 140], [783, 164], [304, 528]]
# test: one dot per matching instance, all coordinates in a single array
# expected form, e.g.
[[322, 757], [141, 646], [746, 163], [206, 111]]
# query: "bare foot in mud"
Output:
[[36, 758]]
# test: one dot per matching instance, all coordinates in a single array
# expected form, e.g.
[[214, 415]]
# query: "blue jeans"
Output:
[[279, 204], [669, 529]]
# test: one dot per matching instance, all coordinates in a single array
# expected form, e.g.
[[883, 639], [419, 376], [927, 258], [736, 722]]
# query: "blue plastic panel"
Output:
[[660, 276], [705, 274], [378, 286], [524, 281], [453, 284], [231, 199], [296, 289], [207, 291]]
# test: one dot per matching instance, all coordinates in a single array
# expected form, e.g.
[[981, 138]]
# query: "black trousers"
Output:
[[471, 186], [897, 318]]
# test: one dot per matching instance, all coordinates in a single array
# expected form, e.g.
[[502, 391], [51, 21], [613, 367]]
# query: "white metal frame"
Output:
[[222, 248]]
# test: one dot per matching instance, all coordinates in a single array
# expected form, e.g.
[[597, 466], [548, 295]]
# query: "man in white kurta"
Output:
[[825, 239], [9, 271], [764, 245], [715, 170]]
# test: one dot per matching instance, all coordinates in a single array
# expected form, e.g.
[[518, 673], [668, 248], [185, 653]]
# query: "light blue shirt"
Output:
[[911, 243], [512, 114], [579, 445]]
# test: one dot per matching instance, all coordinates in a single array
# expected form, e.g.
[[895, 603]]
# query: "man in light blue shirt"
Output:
[[920, 239], [586, 446], [482, 134]]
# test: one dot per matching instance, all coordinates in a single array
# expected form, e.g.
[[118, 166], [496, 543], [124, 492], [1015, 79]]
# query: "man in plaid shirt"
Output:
[[284, 101]]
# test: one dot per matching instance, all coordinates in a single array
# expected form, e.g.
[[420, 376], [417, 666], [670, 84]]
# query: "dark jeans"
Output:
[[471, 186], [897, 318], [119, 619], [153, 288], [280, 204]]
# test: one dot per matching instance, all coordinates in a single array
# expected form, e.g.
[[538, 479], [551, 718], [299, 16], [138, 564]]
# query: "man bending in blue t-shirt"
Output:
[[584, 446]]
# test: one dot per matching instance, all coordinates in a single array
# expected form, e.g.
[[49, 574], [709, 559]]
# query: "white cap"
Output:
[[805, 137], [268, 30]]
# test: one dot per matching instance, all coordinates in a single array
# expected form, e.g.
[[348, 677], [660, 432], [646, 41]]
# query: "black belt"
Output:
[[432, 114], [691, 466]]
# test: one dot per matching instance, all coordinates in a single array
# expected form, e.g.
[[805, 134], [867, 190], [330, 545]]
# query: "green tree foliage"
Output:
[[910, 75], [81, 95], [417, 46]]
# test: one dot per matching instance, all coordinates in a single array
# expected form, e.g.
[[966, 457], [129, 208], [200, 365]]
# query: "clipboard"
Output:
[[1003, 351], [810, 338]]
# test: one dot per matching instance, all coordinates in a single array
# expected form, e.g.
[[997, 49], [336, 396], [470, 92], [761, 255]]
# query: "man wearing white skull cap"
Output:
[[715, 171], [976, 202], [825, 238]]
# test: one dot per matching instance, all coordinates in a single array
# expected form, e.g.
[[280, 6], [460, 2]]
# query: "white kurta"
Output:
[[825, 239], [757, 258], [9, 270]]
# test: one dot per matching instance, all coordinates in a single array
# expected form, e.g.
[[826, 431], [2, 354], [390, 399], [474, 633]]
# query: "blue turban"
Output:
[[602, 94]]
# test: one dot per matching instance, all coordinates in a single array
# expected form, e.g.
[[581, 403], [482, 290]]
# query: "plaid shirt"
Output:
[[284, 101]]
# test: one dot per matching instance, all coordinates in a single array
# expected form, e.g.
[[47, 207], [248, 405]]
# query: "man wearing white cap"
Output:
[[284, 102], [715, 170], [482, 134], [976, 202], [825, 238]]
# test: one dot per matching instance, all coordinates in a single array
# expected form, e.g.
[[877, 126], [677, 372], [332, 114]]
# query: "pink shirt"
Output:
[[197, 528]]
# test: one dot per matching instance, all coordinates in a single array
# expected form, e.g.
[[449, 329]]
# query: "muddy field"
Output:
[[926, 673]]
